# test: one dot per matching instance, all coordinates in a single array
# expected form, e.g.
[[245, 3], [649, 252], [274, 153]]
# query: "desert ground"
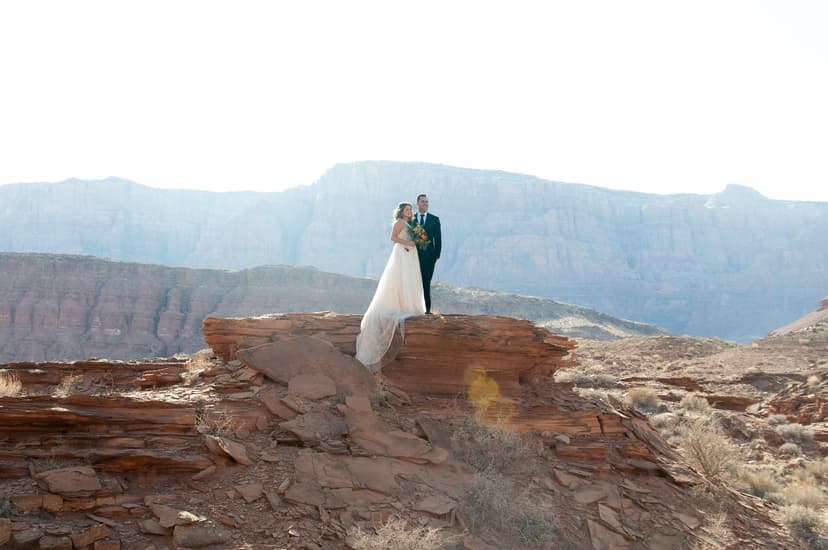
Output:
[[202, 451]]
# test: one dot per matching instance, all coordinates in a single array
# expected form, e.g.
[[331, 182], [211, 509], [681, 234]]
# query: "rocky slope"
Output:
[[732, 265], [293, 444], [57, 307], [814, 320], [757, 410]]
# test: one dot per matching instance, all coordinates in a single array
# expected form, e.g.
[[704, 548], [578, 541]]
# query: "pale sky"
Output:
[[655, 96]]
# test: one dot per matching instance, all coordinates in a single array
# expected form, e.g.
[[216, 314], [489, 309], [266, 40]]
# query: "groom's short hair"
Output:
[[421, 195]]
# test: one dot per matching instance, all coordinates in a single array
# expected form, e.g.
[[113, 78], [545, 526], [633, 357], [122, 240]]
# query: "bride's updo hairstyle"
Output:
[[398, 211]]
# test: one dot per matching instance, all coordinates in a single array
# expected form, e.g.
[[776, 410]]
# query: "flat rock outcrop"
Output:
[[437, 355]]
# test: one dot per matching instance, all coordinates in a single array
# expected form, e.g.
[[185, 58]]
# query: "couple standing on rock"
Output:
[[404, 289]]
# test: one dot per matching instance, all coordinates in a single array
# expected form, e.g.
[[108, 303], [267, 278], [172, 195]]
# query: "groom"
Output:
[[429, 256]]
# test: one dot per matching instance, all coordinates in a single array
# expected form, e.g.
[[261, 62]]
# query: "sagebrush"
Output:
[[707, 449], [643, 399], [796, 433], [694, 402], [494, 503], [397, 534], [493, 447], [760, 483]]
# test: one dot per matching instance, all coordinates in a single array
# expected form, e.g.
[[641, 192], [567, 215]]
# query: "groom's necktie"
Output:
[[421, 219]]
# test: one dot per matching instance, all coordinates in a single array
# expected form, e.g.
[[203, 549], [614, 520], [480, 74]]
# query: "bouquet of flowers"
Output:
[[420, 237]]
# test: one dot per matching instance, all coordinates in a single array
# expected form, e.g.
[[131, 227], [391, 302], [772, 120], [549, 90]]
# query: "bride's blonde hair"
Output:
[[398, 211]]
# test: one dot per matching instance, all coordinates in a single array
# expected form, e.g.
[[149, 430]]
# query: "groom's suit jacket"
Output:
[[432, 227]]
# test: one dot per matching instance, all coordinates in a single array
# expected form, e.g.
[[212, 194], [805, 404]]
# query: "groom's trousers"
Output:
[[427, 263]]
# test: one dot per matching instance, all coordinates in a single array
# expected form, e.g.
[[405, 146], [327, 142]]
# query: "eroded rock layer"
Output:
[[286, 438]]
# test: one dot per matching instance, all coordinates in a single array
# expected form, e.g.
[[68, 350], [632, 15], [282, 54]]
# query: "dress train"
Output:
[[399, 295]]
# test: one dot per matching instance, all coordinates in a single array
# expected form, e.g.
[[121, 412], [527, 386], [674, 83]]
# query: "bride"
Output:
[[398, 295]]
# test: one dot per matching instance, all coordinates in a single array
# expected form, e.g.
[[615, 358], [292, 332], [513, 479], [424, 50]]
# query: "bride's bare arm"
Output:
[[395, 231]]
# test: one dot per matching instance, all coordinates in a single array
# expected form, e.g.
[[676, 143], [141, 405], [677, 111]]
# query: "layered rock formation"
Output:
[[295, 442], [56, 307], [470, 347], [732, 265]]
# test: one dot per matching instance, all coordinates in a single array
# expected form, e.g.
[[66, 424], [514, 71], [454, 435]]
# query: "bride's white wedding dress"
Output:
[[398, 295]]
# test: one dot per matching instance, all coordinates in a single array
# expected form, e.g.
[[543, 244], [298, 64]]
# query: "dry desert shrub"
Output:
[[397, 534], [571, 377], [493, 447], [720, 535], [760, 484], [10, 385], [807, 524], [220, 423], [818, 469], [803, 476], [669, 425], [197, 363], [694, 402], [664, 421], [713, 498], [796, 433], [804, 494], [802, 517], [69, 385], [493, 503], [643, 399], [585, 380], [757, 445], [200, 360], [593, 394], [790, 449], [777, 419], [710, 452]]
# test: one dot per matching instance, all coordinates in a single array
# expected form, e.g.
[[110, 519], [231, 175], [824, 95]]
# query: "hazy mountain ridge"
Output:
[[62, 307], [733, 265]]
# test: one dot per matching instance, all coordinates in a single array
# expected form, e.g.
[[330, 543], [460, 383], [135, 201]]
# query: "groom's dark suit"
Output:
[[430, 255]]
